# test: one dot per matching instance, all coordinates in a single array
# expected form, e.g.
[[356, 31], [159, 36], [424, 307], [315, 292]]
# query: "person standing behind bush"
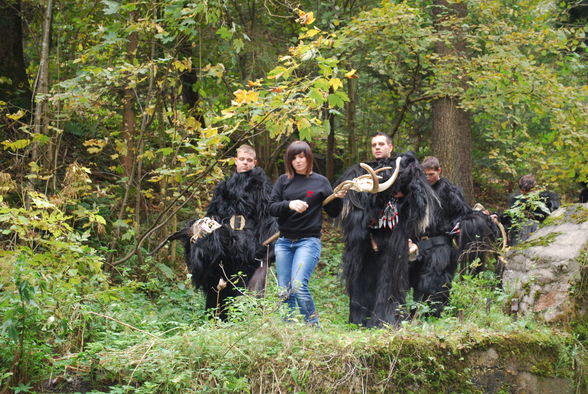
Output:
[[527, 209], [297, 200]]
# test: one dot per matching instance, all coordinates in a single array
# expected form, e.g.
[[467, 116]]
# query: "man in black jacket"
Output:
[[433, 270]]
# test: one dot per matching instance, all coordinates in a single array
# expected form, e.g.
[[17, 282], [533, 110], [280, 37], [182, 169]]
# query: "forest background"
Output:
[[119, 117]]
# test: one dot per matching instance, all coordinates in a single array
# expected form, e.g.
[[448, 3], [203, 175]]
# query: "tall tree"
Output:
[[40, 114], [14, 84], [452, 132]]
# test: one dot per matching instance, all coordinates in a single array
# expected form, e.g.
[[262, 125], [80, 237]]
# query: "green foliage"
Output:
[[478, 298], [49, 275], [526, 208], [205, 76], [164, 343], [522, 79]]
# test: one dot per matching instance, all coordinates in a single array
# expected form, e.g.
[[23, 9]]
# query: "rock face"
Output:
[[493, 372], [541, 271]]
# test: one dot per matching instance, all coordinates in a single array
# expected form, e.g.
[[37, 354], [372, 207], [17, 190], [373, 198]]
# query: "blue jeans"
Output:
[[295, 261]]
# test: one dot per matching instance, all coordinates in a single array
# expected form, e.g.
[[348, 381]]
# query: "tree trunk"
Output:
[[329, 154], [14, 84], [40, 120], [129, 128], [351, 121], [452, 143], [128, 132], [452, 135]]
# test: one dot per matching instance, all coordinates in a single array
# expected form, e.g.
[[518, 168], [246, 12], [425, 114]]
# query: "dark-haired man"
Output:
[[432, 272], [377, 229]]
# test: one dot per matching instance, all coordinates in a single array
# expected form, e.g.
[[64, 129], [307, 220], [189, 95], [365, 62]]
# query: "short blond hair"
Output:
[[247, 149]]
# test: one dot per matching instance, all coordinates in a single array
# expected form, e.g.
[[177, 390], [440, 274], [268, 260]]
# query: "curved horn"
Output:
[[375, 180], [389, 182], [382, 169]]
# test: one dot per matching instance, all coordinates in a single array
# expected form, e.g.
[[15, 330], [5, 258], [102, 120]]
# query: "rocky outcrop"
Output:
[[541, 272], [493, 372]]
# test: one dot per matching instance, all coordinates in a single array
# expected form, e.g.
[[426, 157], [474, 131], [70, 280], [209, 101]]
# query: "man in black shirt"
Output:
[[432, 272]]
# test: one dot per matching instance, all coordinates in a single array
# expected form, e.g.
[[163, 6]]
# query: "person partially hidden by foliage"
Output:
[[531, 206], [377, 229], [224, 260], [583, 198], [432, 272]]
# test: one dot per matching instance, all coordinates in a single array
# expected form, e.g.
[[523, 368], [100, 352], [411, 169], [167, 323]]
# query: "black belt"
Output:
[[429, 243], [239, 223]]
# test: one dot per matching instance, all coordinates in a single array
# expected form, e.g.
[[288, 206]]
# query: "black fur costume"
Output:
[[432, 272], [237, 256], [478, 238], [377, 281]]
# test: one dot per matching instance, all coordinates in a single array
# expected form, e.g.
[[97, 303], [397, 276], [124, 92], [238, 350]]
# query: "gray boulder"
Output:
[[541, 271]]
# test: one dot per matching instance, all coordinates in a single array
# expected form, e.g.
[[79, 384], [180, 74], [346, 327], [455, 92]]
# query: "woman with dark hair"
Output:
[[297, 200]]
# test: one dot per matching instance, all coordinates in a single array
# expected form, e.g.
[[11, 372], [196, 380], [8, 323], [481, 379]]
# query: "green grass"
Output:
[[155, 338]]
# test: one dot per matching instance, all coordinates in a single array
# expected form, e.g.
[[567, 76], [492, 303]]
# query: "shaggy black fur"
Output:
[[432, 272], [377, 281], [232, 255], [478, 239]]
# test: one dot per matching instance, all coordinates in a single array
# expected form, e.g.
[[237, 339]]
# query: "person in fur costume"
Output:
[[478, 236], [222, 261], [377, 229], [432, 272]]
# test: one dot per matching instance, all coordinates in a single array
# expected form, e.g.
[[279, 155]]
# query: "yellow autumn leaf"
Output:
[[256, 83], [210, 132], [310, 33], [245, 96], [335, 83], [351, 74], [150, 110], [180, 66], [16, 116], [94, 145], [148, 155], [192, 123], [227, 113], [305, 18], [302, 123]]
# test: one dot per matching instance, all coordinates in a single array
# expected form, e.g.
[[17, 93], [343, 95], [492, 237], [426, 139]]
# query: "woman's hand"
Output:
[[341, 193], [298, 206]]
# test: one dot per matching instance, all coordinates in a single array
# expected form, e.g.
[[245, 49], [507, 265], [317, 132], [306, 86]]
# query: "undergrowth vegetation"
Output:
[[88, 335]]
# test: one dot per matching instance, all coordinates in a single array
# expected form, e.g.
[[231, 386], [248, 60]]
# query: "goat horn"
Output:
[[389, 182], [382, 169], [375, 180]]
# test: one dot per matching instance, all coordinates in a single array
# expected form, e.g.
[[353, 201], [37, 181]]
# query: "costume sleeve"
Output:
[[215, 207]]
